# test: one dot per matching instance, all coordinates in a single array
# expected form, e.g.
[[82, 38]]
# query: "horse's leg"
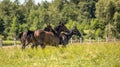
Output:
[[34, 45], [23, 46], [56, 45], [27, 44], [64, 45], [41, 43], [43, 46]]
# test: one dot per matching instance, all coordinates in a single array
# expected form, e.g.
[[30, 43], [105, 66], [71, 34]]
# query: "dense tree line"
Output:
[[94, 18]]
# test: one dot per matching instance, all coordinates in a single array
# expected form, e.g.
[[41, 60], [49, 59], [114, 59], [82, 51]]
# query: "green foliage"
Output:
[[95, 24], [108, 11], [98, 28], [98, 33], [35, 25], [85, 14], [71, 24], [13, 29], [76, 55]]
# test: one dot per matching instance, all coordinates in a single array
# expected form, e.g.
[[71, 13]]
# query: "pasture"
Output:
[[74, 55]]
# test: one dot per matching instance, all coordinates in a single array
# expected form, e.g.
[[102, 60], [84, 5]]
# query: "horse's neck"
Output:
[[30, 32], [55, 32], [58, 31], [69, 35]]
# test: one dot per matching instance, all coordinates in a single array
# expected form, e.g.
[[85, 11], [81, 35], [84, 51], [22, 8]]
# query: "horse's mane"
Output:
[[30, 32], [50, 29]]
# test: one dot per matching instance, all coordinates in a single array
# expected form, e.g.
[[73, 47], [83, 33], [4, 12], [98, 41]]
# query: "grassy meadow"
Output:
[[74, 55]]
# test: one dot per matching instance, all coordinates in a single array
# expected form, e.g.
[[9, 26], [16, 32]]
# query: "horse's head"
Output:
[[61, 27], [76, 32], [48, 28]]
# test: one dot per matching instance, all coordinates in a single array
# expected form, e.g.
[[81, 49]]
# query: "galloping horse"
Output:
[[65, 37], [26, 38], [46, 36], [52, 37]]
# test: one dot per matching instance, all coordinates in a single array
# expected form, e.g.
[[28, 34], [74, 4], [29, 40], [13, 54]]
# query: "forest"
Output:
[[93, 18]]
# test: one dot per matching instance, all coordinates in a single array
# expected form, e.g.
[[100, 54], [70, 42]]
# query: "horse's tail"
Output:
[[20, 35]]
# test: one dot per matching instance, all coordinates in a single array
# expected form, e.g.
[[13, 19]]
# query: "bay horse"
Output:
[[65, 37]]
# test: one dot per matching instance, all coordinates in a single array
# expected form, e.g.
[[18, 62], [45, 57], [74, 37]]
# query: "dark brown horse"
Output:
[[65, 37], [26, 38], [46, 36], [62, 38], [61, 27], [48, 28], [49, 38]]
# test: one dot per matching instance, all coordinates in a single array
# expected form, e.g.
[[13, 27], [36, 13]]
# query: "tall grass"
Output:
[[74, 55]]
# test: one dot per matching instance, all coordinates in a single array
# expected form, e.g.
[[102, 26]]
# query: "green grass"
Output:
[[75, 55]]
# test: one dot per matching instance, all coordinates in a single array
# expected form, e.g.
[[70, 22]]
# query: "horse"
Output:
[[48, 28], [49, 37], [44, 37], [26, 38], [65, 37], [60, 28], [36, 37]]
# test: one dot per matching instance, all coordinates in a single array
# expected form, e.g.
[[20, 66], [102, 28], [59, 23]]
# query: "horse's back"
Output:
[[46, 37], [51, 39], [38, 33]]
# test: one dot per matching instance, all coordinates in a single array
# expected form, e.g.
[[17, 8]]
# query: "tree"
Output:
[[1, 26], [14, 28], [106, 9], [35, 25]]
